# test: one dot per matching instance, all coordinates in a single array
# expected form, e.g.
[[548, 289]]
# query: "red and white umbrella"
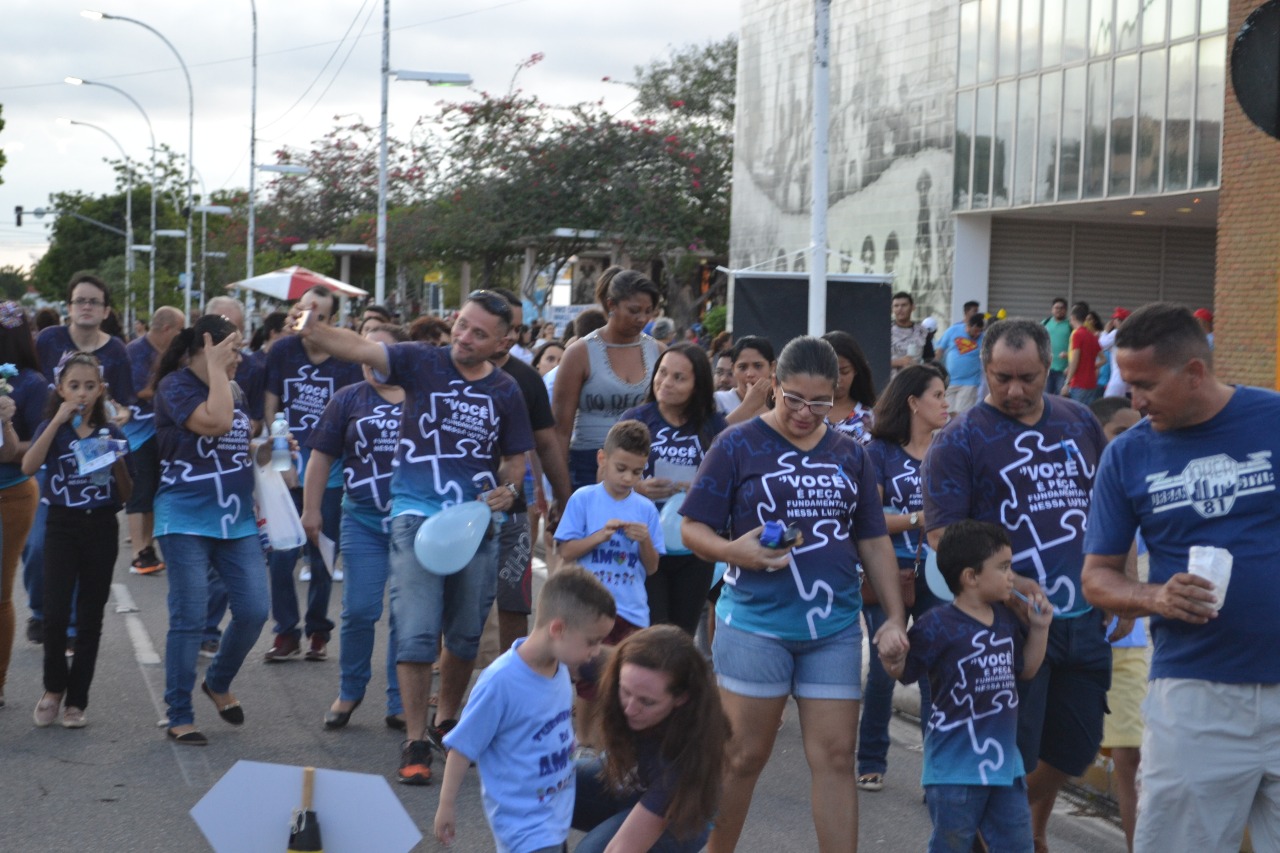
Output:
[[290, 283]]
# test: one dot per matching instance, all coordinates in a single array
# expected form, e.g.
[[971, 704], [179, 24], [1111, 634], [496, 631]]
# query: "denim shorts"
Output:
[[999, 812], [762, 667], [425, 604]]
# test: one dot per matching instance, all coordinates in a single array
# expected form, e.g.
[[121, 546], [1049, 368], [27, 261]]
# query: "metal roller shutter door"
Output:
[[1033, 262], [1030, 266]]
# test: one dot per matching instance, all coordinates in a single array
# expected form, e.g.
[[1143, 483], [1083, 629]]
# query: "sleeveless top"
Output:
[[604, 397]]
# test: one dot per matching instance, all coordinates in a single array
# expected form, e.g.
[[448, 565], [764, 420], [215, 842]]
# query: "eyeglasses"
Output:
[[491, 302], [796, 404], [82, 302]]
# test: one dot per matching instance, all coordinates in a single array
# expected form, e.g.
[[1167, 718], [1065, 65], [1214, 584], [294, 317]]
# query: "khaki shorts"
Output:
[[1123, 726]]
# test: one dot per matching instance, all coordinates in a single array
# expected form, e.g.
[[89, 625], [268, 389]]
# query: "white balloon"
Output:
[[448, 540]]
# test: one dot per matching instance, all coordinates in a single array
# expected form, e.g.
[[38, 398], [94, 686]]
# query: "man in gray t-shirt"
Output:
[[906, 337]]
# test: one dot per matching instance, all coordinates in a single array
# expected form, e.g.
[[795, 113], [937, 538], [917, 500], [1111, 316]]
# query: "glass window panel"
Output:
[[1030, 31], [1002, 150], [1075, 31], [1150, 122], [1101, 28], [1209, 107], [1123, 107], [964, 149], [1047, 154], [1182, 19], [1213, 15], [1007, 43], [1095, 130], [1155, 18], [1073, 100], [968, 71], [1025, 146], [1127, 24], [984, 116], [1052, 30], [1177, 130], [987, 28]]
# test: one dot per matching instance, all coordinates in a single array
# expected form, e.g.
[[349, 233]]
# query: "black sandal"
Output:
[[191, 738], [232, 713]]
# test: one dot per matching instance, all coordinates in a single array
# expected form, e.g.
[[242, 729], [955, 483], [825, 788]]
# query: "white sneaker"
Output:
[[337, 575], [305, 574]]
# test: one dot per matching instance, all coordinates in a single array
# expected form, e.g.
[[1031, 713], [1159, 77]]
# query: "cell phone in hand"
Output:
[[302, 320]]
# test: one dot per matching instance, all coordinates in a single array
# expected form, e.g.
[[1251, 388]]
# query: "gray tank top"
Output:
[[604, 397]]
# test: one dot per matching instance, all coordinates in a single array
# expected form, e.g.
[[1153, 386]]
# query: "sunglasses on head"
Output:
[[491, 302]]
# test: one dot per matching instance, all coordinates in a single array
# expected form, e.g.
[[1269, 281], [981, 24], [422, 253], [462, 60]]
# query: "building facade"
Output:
[[1008, 151]]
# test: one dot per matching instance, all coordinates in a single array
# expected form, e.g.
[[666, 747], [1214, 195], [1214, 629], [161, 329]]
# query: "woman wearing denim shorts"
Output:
[[787, 620]]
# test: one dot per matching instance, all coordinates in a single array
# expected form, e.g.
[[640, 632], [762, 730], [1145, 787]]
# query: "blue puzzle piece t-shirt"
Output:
[[1034, 481], [752, 475], [361, 429], [142, 421], [898, 474], [972, 735], [454, 431], [206, 483], [65, 485], [304, 390]]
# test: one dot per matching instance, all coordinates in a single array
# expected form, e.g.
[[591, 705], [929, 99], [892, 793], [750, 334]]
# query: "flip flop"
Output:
[[232, 713], [871, 782]]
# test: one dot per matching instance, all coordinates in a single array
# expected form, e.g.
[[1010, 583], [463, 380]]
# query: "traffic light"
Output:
[[17, 213]]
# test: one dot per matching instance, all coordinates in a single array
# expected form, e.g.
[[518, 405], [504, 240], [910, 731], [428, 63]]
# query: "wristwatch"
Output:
[[511, 487], [914, 518]]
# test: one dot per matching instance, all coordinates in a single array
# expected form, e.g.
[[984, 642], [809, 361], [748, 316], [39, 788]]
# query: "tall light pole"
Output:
[[128, 218], [151, 263], [250, 242], [191, 126], [428, 77]]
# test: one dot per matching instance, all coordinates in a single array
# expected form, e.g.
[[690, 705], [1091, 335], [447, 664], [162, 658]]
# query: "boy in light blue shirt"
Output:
[[518, 725], [614, 531]]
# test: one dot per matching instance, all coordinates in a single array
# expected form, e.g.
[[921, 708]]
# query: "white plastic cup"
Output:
[[1214, 565]]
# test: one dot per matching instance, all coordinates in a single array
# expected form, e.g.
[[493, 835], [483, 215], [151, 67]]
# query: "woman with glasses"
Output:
[[787, 619], [607, 372], [680, 412], [913, 407]]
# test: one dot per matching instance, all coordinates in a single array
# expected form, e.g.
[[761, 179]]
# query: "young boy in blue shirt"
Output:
[[972, 652], [613, 530], [518, 724]]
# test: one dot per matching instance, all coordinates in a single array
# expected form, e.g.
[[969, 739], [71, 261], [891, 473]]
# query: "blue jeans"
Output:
[[425, 604], [877, 696], [600, 812], [1085, 396], [187, 560], [33, 556], [1057, 378], [367, 557], [217, 607], [584, 466], [284, 596], [959, 812]]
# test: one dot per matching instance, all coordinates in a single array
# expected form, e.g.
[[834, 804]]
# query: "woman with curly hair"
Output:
[[656, 784]]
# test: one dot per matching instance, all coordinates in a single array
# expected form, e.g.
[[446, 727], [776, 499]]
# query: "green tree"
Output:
[[13, 281]]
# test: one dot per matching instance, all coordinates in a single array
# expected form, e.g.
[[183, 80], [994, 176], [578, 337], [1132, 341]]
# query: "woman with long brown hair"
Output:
[[656, 783]]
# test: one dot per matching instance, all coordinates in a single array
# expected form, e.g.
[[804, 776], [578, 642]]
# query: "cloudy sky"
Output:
[[316, 59]]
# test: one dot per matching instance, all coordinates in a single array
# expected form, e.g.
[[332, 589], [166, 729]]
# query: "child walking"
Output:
[[613, 530], [518, 725], [972, 651], [82, 539]]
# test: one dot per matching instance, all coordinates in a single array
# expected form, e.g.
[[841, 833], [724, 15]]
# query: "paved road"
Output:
[[119, 785]]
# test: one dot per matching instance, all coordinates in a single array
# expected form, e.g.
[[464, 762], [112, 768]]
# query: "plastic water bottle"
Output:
[[281, 458], [103, 475]]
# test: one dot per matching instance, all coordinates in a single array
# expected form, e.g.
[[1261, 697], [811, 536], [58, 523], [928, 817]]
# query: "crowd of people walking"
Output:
[[724, 522]]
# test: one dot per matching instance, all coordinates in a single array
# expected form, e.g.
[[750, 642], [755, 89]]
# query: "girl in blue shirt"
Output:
[[82, 516], [205, 518]]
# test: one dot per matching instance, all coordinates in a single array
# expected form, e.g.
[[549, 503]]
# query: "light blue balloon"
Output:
[[448, 540], [933, 576], [670, 518]]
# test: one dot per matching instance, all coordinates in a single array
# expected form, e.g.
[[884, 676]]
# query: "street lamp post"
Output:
[[151, 269], [191, 126], [204, 210], [128, 219], [428, 77]]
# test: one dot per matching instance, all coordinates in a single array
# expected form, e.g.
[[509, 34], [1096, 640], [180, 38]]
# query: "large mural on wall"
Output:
[[891, 132]]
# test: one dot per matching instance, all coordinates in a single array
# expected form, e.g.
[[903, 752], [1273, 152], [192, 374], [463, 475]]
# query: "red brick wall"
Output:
[[1248, 255]]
